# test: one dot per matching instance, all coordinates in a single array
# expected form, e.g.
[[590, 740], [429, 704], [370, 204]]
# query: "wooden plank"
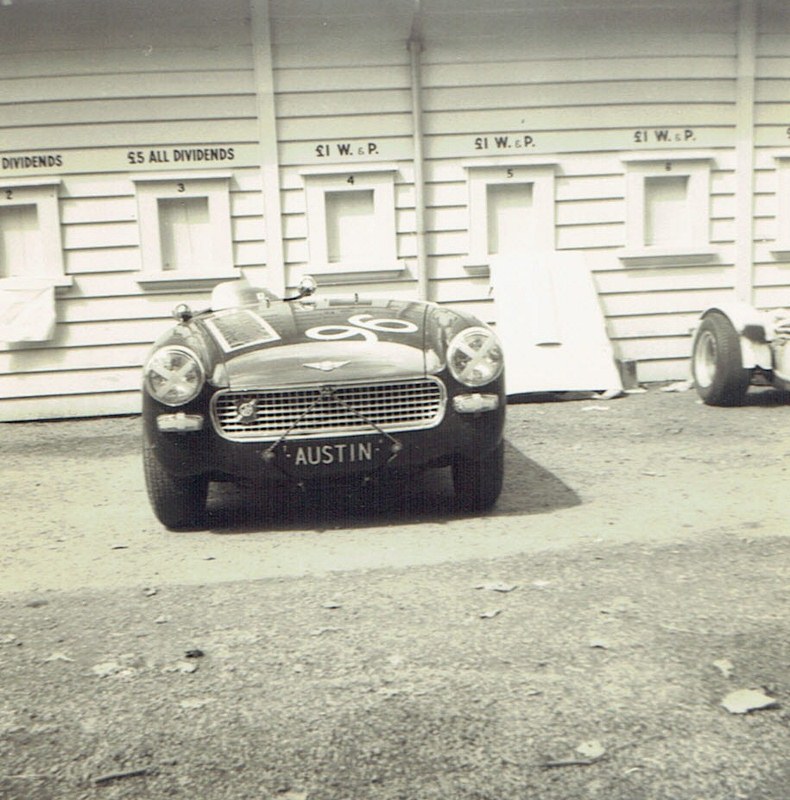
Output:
[[665, 347], [133, 134], [450, 67], [582, 93], [590, 212], [215, 93], [121, 307], [122, 355], [771, 66], [342, 78], [581, 237], [124, 61], [90, 210], [658, 279], [772, 273], [772, 297], [688, 46], [119, 259], [343, 103], [649, 326], [117, 332], [100, 235], [36, 384], [72, 406], [663, 370], [694, 300], [344, 127], [645, 115]]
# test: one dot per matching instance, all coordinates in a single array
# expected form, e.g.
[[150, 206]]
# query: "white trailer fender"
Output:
[[755, 350]]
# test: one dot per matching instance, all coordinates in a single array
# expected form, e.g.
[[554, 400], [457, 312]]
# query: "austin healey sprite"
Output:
[[311, 391]]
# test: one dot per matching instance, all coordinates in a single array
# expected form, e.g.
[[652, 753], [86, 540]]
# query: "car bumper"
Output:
[[185, 443]]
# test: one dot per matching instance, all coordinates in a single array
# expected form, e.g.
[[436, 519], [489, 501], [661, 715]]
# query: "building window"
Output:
[[511, 212], [185, 228], [351, 221], [667, 208], [30, 240], [782, 236]]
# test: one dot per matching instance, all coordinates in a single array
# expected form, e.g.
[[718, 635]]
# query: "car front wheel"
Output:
[[478, 482], [178, 502], [716, 362]]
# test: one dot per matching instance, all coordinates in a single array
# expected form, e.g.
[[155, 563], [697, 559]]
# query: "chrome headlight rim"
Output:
[[194, 388], [489, 356]]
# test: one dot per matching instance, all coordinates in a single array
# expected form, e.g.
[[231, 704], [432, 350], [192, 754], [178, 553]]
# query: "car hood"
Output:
[[299, 343]]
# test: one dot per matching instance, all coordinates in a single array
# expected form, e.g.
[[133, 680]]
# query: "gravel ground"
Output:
[[577, 642]]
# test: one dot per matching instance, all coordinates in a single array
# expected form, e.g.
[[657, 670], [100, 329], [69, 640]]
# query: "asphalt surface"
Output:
[[583, 640]]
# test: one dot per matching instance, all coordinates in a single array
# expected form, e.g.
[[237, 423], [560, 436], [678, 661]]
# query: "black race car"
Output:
[[307, 391]]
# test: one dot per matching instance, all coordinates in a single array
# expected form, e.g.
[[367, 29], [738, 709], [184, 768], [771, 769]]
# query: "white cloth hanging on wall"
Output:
[[27, 312]]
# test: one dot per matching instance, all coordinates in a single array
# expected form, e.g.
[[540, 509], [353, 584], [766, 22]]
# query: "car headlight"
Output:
[[173, 376], [475, 357]]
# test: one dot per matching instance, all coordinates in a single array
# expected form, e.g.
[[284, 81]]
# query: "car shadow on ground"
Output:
[[529, 489]]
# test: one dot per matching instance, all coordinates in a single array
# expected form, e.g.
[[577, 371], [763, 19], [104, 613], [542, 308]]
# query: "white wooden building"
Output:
[[151, 148]]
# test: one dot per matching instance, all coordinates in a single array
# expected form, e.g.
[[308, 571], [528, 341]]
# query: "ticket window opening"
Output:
[[511, 221], [667, 213], [20, 241], [185, 233], [512, 246], [350, 226]]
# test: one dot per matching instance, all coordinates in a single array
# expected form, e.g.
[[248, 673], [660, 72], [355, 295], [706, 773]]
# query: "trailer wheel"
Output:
[[716, 363]]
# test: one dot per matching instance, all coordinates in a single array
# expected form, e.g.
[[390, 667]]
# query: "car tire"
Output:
[[478, 481], [178, 502], [716, 363]]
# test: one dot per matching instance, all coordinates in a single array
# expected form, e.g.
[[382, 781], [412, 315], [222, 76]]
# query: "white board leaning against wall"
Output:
[[551, 325]]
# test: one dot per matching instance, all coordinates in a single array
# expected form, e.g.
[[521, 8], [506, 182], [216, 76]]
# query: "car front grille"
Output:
[[332, 410]]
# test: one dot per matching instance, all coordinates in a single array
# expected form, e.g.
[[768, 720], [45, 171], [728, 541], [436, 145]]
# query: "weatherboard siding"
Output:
[[581, 84], [100, 80]]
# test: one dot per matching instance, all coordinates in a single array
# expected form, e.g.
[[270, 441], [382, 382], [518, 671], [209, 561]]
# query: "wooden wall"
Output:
[[581, 78], [92, 80]]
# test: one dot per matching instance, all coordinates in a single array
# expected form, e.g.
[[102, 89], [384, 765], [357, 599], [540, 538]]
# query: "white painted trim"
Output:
[[163, 177], [668, 155], [44, 195], [744, 150], [215, 190], [480, 177], [274, 277], [383, 258], [335, 170], [782, 219]]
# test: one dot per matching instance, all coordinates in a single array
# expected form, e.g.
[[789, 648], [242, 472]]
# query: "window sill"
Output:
[[357, 272], [674, 256], [477, 269], [38, 282], [180, 278]]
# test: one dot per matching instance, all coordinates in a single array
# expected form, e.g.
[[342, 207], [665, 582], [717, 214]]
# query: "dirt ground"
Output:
[[576, 642]]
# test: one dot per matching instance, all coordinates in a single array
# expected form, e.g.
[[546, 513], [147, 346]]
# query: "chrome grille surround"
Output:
[[402, 405]]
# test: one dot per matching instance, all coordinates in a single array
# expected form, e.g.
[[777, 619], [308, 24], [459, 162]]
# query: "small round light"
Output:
[[173, 376], [475, 357]]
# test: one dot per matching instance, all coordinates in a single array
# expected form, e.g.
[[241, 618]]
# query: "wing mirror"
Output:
[[306, 287]]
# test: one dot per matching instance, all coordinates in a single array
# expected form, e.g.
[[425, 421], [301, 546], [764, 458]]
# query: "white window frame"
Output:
[[781, 244], [215, 188], [378, 178], [44, 195], [483, 173], [696, 168]]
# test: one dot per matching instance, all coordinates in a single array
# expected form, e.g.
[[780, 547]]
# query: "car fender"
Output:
[[752, 326]]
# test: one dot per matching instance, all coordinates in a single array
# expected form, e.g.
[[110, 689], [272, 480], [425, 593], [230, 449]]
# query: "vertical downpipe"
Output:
[[415, 51], [744, 151]]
